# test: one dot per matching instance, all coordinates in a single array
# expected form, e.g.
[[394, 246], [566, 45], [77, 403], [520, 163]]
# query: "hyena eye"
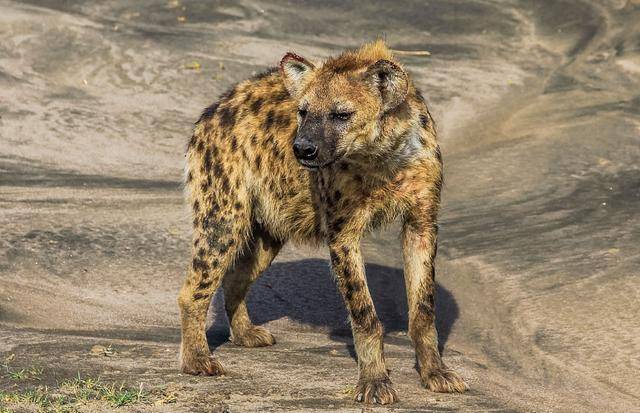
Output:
[[302, 113], [342, 115]]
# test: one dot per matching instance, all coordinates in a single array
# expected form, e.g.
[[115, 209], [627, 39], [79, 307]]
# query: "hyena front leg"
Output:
[[374, 385], [419, 246], [255, 258], [217, 237]]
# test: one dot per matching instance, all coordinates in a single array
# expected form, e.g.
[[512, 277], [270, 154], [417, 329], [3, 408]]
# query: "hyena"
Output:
[[320, 153]]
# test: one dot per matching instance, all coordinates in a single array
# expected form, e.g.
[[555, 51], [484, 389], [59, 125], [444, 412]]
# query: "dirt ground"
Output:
[[538, 108]]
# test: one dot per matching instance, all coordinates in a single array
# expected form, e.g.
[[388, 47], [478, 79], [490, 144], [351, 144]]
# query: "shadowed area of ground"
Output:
[[538, 108]]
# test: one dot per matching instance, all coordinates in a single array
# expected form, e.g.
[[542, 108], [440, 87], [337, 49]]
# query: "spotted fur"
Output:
[[250, 195]]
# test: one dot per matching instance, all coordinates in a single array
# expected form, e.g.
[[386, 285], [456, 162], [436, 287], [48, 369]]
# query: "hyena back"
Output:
[[321, 154]]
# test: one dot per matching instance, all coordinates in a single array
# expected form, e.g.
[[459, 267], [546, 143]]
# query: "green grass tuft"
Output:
[[67, 396], [71, 393]]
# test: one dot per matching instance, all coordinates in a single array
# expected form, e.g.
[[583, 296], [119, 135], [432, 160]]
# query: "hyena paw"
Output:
[[379, 391], [201, 364], [254, 337], [445, 381]]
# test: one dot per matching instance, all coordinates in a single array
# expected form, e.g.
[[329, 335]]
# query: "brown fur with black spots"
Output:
[[365, 153]]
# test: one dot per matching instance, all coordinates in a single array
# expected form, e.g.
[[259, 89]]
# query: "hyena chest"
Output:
[[291, 214], [347, 202], [326, 203]]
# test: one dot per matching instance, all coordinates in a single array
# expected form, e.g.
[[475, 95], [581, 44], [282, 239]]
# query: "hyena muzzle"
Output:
[[323, 154]]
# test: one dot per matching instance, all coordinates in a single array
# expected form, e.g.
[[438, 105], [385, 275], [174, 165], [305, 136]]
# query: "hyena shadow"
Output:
[[305, 291]]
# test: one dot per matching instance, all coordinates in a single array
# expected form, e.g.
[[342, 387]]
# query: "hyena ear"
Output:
[[392, 82], [295, 72]]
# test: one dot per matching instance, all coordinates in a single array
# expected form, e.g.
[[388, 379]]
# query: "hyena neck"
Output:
[[407, 147], [349, 177], [395, 150]]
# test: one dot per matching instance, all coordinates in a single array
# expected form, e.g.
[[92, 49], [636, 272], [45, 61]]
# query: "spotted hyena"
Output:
[[316, 153]]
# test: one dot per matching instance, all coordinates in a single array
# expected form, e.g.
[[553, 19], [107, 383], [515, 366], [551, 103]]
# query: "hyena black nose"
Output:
[[305, 150]]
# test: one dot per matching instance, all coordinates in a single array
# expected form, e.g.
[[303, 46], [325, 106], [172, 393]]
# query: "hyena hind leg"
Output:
[[253, 261], [216, 244]]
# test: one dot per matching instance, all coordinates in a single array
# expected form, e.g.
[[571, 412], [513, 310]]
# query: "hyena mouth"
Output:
[[314, 166], [309, 167]]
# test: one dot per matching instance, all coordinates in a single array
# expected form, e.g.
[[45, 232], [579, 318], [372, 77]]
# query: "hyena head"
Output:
[[341, 103]]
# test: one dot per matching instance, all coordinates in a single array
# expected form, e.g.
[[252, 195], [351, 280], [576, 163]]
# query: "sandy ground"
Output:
[[538, 106]]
